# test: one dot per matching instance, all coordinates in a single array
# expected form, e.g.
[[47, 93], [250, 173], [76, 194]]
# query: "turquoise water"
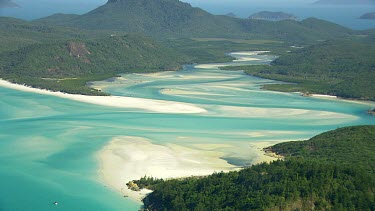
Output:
[[48, 145]]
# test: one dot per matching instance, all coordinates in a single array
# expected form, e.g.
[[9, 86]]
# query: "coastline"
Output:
[[127, 158], [159, 106], [316, 95], [334, 97]]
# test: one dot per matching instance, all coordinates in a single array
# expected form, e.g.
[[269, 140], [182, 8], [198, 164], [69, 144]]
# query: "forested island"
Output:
[[326, 172]]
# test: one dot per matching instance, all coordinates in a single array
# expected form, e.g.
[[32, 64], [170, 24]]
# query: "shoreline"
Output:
[[158, 106], [129, 158], [315, 95], [334, 97]]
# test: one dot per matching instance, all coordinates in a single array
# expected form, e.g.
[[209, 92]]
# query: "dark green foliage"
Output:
[[66, 65], [342, 67], [328, 172], [15, 33], [75, 58], [350, 146], [148, 182]]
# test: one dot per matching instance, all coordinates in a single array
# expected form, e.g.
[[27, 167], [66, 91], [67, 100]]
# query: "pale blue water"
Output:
[[48, 145]]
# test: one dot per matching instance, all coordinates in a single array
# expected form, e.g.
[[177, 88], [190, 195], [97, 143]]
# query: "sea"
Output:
[[49, 145]]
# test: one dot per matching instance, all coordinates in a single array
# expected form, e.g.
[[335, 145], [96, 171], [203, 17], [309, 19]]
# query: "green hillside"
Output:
[[172, 18], [35, 50], [349, 146], [342, 67], [16, 33], [52, 65], [315, 175]]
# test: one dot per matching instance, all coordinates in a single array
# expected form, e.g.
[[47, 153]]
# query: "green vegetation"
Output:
[[272, 16], [30, 52], [174, 19], [209, 50], [327, 172], [348, 146], [52, 65], [15, 33], [343, 67]]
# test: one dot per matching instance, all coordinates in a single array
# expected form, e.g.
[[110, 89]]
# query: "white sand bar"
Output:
[[130, 158], [159, 106]]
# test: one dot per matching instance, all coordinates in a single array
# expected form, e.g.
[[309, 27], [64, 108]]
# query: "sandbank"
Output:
[[258, 112], [186, 92], [158, 106], [247, 53], [130, 158], [210, 66]]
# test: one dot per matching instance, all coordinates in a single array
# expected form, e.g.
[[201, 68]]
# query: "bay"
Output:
[[49, 145]]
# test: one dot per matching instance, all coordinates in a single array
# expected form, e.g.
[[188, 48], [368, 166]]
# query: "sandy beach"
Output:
[[209, 66], [158, 106], [333, 97], [129, 158], [323, 96], [247, 53]]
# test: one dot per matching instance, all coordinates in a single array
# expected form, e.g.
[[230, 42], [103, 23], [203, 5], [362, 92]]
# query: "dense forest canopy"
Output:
[[323, 173]]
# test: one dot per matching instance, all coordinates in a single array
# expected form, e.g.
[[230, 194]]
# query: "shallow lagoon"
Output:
[[48, 145]]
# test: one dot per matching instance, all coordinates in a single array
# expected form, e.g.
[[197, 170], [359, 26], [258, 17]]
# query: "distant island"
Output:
[[8, 4], [231, 14], [345, 2], [272, 16], [369, 16]]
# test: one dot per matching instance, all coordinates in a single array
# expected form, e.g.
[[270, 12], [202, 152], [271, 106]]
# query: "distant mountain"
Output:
[[151, 17], [346, 2], [272, 16], [7, 4], [231, 14], [173, 19], [370, 15]]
